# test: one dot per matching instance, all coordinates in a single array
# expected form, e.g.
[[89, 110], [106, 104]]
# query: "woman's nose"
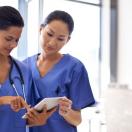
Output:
[[52, 42], [13, 44]]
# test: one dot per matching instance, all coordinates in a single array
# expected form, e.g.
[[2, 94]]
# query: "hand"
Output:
[[64, 106], [35, 118], [17, 103], [72, 116]]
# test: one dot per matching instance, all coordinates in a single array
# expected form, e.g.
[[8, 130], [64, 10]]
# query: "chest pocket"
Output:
[[58, 91]]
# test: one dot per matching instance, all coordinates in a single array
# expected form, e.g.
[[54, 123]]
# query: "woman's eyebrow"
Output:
[[51, 30], [10, 37]]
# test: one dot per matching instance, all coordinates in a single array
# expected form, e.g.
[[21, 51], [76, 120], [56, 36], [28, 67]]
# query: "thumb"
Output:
[[45, 108], [27, 107]]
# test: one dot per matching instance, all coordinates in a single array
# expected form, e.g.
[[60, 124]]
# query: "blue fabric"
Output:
[[11, 121], [67, 78]]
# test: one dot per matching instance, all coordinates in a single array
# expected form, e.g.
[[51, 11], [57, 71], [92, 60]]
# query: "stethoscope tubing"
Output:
[[13, 62]]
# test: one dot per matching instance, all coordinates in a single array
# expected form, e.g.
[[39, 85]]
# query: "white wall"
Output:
[[125, 42], [33, 27], [105, 75]]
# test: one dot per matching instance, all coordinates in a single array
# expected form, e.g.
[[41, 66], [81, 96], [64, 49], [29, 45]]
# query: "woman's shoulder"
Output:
[[19, 63], [73, 60], [30, 59], [23, 67]]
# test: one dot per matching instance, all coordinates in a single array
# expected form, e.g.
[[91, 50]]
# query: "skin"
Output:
[[8, 41], [53, 37]]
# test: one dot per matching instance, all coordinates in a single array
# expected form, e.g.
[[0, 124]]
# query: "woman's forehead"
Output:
[[58, 27], [12, 31]]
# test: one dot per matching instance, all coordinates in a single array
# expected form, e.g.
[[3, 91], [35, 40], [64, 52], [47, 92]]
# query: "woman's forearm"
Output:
[[73, 117], [1, 101], [5, 100]]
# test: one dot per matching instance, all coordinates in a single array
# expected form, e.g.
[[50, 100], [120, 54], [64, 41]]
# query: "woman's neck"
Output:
[[4, 59], [44, 57], [4, 68]]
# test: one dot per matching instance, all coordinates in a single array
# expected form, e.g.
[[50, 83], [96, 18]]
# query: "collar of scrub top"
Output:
[[14, 63]]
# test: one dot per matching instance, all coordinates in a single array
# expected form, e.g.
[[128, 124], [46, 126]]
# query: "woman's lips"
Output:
[[8, 50]]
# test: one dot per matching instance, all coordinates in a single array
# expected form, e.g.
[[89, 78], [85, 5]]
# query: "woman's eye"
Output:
[[12, 40], [60, 39], [49, 34], [8, 39]]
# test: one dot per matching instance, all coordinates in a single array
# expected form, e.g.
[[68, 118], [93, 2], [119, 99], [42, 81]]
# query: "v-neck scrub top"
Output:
[[11, 121], [66, 78]]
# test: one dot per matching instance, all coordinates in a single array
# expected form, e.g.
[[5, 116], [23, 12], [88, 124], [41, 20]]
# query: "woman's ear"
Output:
[[69, 37], [40, 29]]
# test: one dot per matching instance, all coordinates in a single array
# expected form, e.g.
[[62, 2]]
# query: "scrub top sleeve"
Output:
[[80, 89]]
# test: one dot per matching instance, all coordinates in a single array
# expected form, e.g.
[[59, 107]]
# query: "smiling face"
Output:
[[9, 39], [54, 36]]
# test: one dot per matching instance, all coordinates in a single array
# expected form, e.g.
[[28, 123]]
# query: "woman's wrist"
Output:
[[1, 101], [5, 100]]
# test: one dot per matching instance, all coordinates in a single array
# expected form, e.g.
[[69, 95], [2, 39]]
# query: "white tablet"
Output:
[[50, 103]]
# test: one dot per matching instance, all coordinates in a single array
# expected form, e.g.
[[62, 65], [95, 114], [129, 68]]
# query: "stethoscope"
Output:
[[13, 62]]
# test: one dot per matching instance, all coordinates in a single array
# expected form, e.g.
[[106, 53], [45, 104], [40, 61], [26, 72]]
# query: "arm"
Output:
[[71, 116], [16, 102], [80, 93], [6, 99]]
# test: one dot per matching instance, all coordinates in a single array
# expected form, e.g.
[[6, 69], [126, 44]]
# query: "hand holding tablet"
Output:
[[50, 103]]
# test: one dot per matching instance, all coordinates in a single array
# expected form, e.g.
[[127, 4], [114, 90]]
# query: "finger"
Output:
[[14, 103], [24, 104], [65, 104], [14, 108], [63, 108], [44, 110], [18, 103], [33, 116], [27, 106], [62, 112], [49, 113], [32, 113], [30, 123], [29, 118], [65, 100]]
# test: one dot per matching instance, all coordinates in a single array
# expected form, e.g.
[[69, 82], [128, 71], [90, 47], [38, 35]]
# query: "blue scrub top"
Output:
[[11, 121], [67, 78]]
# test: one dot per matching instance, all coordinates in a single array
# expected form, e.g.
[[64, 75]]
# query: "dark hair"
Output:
[[62, 16], [10, 16]]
